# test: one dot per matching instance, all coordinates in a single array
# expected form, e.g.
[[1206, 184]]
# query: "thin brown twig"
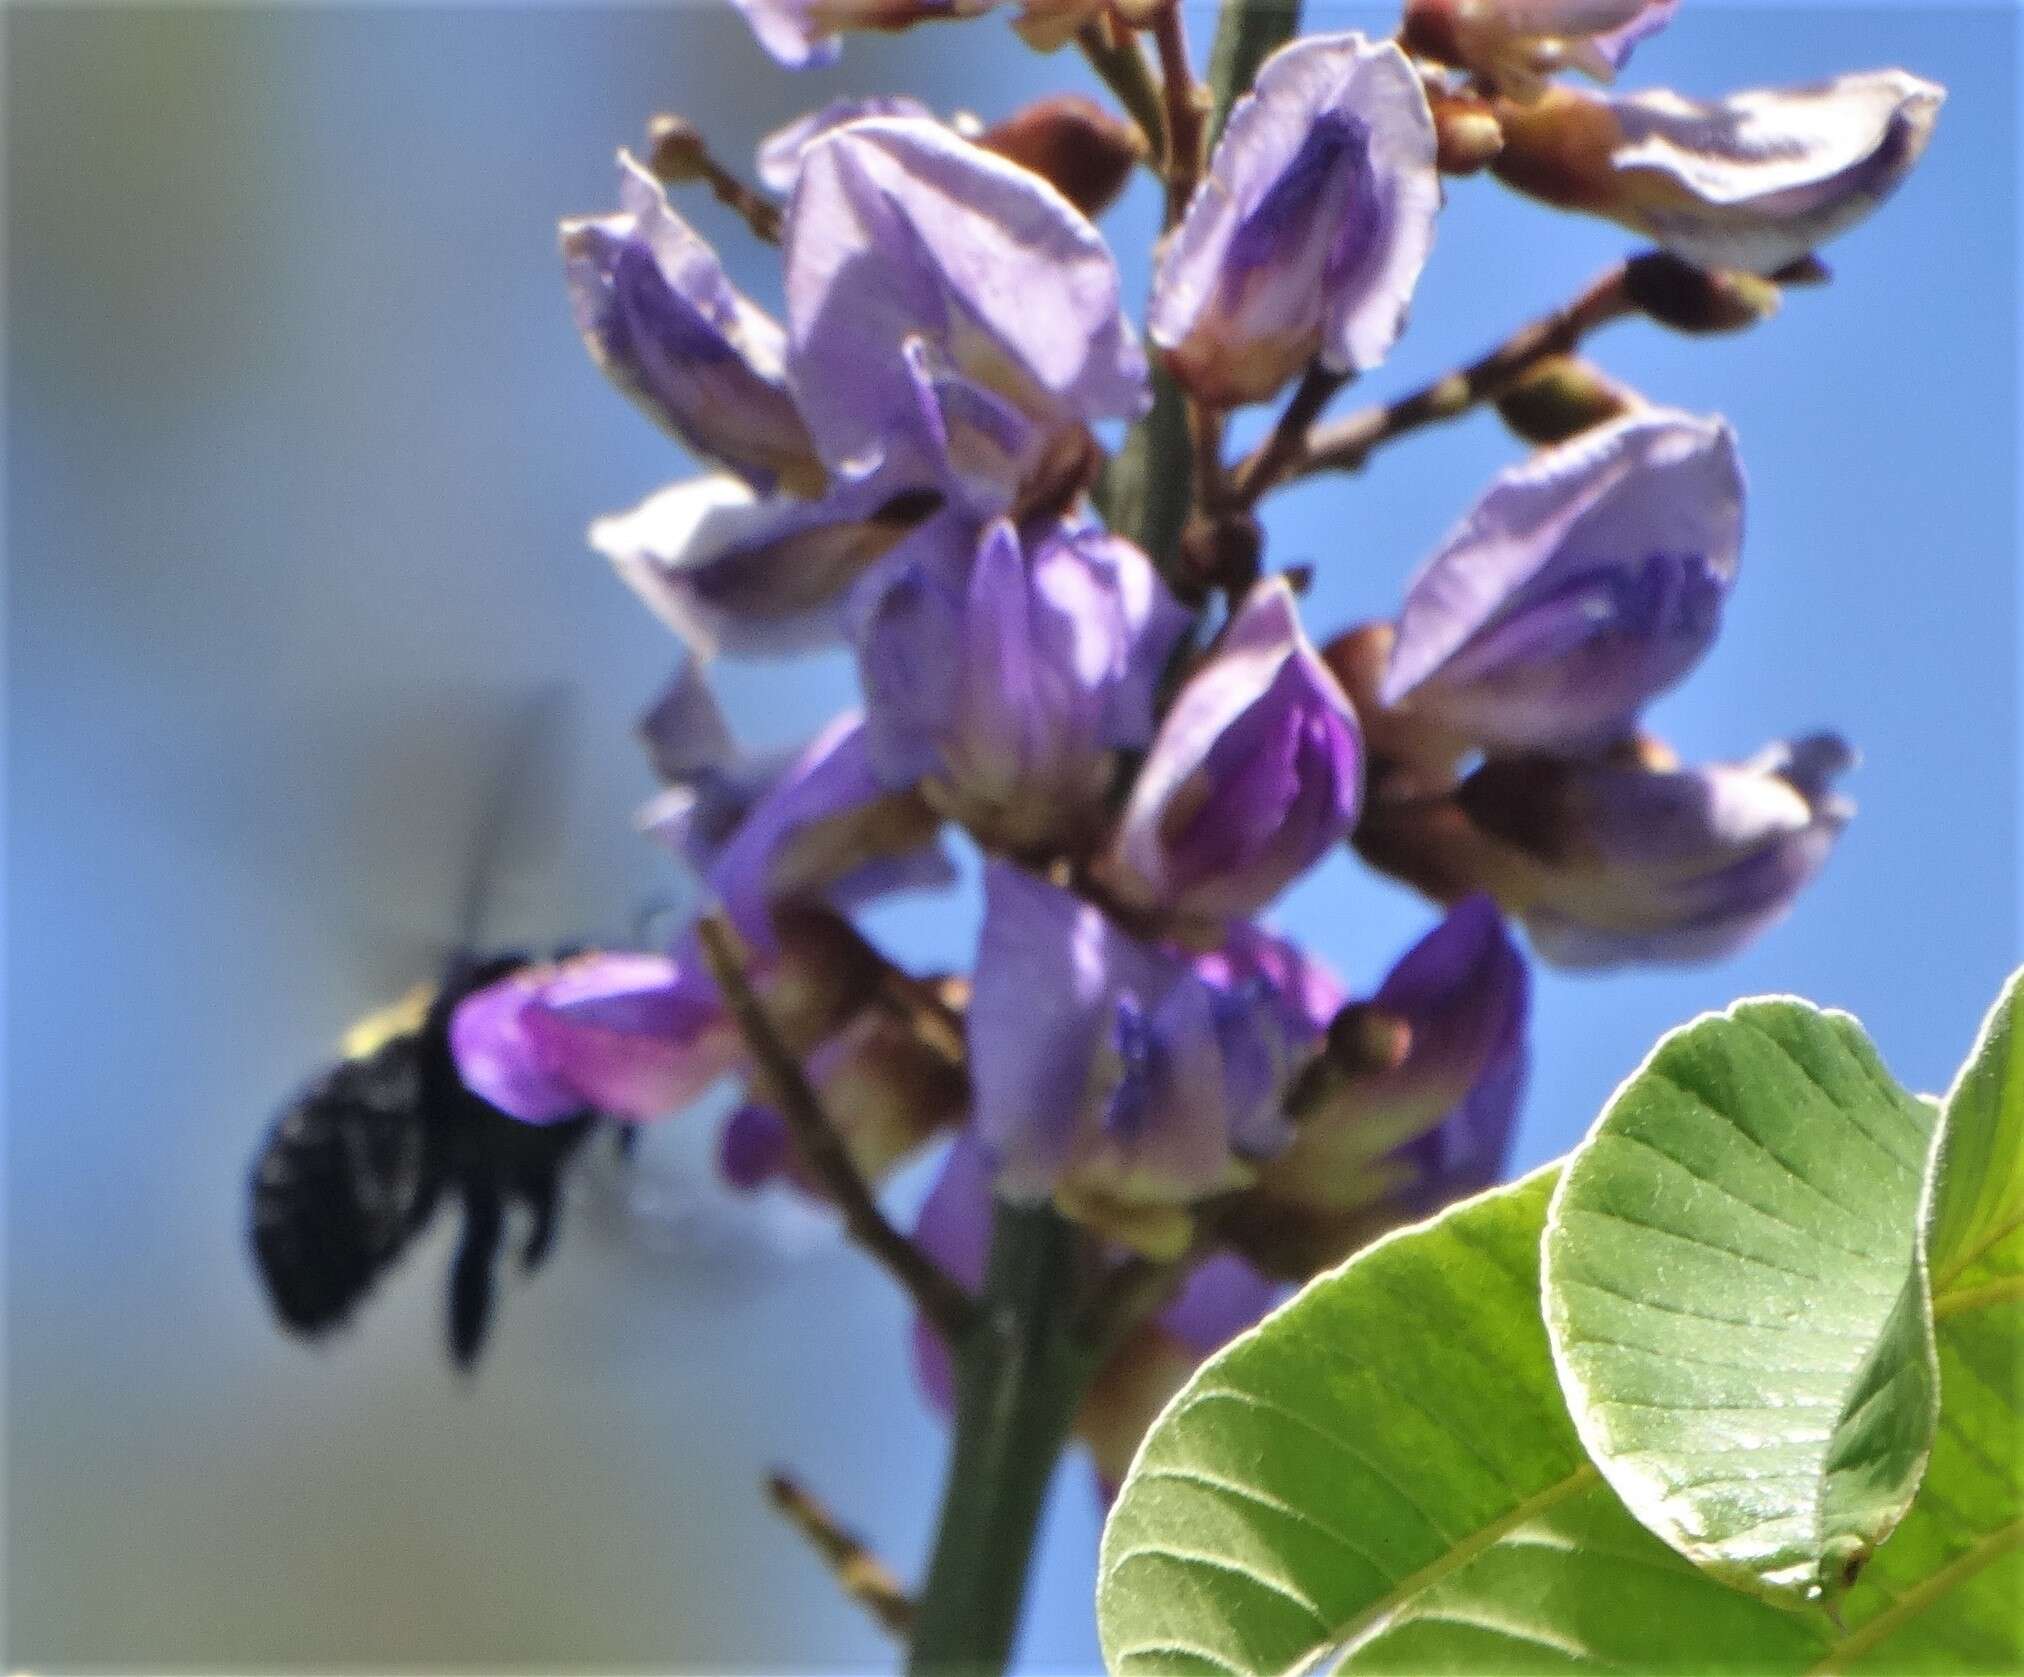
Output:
[[859, 1573], [1187, 110], [1345, 445], [935, 1293], [680, 153], [1289, 437]]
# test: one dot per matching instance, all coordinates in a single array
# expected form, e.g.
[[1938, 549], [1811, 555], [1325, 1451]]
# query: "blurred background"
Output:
[[300, 449]]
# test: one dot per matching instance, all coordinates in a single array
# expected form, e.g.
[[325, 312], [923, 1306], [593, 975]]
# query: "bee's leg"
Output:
[[541, 1194], [471, 1272]]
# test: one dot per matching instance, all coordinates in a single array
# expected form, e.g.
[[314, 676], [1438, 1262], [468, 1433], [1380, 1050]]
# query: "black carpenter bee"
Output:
[[362, 1160], [379, 1143]]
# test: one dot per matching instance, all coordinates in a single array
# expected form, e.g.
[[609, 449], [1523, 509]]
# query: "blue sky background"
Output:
[[300, 449]]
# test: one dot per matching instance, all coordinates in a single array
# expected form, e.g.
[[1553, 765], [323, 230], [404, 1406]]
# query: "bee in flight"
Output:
[[379, 1143], [384, 1140]]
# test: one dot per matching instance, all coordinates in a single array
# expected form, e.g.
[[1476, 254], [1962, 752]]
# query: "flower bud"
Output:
[[1755, 182], [1074, 144], [1005, 676], [1467, 134], [1585, 582], [1254, 776], [1308, 236], [667, 327], [1698, 300], [1562, 397]]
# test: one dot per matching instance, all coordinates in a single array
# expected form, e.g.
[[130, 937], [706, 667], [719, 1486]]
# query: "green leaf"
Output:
[[1385, 1470], [1385, 1467], [1946, 1593], [1737, 1300]]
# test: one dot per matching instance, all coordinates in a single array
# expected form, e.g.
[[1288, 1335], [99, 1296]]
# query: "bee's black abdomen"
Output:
[[345, 1179]]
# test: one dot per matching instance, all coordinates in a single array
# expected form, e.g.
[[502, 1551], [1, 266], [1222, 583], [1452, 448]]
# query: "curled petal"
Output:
[[1255, 774], [729, 571], [803, 34], [915, 260], [659, 316], [710, 783], [1309, 234], [1586, 582], [635, 1036], [1754, 181], [1515, 44]]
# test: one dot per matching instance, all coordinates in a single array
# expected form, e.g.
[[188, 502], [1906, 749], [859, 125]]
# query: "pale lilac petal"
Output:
[[1256, 773], [659, 316], [1308, 237], [1586, 582], [900, 232], [954, 1228], [1222, 1297], [729, 571], [1762, 178], [779, 154]]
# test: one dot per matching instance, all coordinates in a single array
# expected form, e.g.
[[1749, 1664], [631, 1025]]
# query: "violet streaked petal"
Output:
[[1309, 234], [1585, 582], [659, 316], [900, 230], [1255, 774]]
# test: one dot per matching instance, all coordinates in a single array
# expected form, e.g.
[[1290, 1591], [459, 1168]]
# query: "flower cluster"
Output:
[[1138, 733]]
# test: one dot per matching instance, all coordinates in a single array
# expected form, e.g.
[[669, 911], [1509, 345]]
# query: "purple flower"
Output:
[[668, 328], [1586, 582], [1754, 181], [948, 311], [1309, 234], [1668, 865], [1255, 773], [1516, 44], [1107, 1074], [635, 1036], [730, 571], [802, 34], [1007, 677], [1418, 1110], [1617, 861], [779, 155]]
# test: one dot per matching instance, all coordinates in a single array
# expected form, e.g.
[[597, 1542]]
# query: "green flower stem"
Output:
[[1021, 1371]]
